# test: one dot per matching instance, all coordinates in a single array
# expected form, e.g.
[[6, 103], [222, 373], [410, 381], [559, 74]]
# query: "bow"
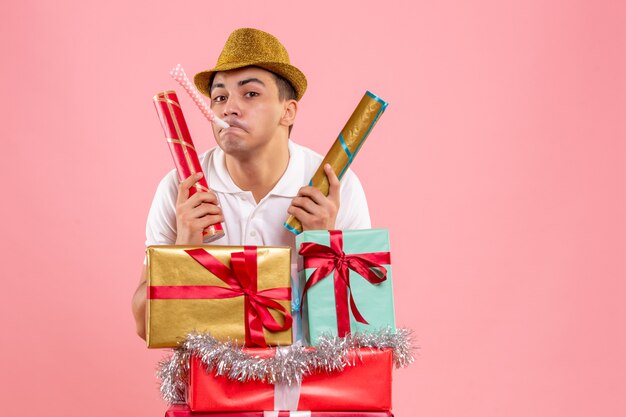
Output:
[[242, 281], [327, 259]]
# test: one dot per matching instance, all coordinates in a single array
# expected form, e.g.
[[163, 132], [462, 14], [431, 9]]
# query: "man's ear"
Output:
[[289, 112]]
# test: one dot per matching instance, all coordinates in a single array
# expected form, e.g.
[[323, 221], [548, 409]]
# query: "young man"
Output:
[[256, 173]]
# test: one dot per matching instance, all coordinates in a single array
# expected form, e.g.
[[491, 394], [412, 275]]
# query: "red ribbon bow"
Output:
[[329, 258], [242, 278]]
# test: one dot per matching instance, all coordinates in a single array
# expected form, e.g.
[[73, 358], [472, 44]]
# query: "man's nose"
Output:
[[232, 106]]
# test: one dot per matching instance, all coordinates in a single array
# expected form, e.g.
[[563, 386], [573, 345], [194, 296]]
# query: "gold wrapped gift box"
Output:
[[185, 295]]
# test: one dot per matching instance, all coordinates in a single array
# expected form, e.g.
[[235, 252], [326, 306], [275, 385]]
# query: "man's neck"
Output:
[[260, 172]]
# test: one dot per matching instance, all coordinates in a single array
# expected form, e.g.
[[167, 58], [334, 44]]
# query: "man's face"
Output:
[[247, 99]]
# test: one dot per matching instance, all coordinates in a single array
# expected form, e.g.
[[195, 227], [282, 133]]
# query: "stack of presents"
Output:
[[256, 335]]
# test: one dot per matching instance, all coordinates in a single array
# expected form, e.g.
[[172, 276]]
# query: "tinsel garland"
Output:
[[289, 365]]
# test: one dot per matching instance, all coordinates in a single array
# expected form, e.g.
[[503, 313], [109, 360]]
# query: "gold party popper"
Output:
[[345, 148]]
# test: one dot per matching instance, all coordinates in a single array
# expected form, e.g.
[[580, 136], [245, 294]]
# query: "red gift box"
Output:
[[183, 410], [363, 386]]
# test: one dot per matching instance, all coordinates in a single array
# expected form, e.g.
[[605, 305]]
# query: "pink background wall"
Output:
[[498, 168]]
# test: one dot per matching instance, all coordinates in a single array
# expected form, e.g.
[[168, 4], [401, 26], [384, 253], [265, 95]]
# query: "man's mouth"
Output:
[[234, 123]]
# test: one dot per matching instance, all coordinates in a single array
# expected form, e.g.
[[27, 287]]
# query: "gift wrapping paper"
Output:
[[240, 293], [183, 410], [345, 147], [181, 147], [348, 281], [363, 386]]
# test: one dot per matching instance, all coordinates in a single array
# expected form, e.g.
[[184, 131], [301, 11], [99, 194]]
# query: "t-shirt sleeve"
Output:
[[161, 223], [353, 210]]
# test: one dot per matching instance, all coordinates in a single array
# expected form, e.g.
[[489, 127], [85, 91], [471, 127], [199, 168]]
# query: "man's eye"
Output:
[[218, 99], [251, 94]]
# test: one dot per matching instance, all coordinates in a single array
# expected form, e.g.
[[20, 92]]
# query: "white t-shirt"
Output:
[[245, 221]]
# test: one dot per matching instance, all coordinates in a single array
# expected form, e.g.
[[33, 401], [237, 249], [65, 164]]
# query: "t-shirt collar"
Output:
[[287, 186]]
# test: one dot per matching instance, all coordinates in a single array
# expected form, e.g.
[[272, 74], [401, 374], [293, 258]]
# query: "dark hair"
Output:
[[285, 92], [285, 89]]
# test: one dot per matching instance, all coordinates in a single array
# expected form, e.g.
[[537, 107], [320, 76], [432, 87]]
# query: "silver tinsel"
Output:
[[289, 365]]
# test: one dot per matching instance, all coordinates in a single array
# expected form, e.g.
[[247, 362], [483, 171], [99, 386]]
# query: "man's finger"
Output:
[[306, 203], [299, 214], [203, 197], [206, 221], [313, 193], [185, 185], [333, 181], [205, 209]]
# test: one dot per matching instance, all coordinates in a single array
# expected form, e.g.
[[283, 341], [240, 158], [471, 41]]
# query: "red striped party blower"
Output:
[[182, 149]]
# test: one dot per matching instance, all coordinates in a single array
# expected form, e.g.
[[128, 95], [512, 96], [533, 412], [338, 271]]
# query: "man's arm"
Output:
[[193, 215], [139, 304], [315, 210]]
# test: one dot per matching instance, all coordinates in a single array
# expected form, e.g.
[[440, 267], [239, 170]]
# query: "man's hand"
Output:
[[195, 213], [314, 210]]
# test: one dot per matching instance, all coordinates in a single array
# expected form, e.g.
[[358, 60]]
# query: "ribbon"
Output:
[[286, 396], [332, 258], [242, 279], [296, 305]]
